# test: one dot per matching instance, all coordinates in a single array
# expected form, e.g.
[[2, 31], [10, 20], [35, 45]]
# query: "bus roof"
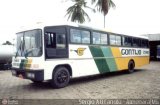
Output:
[[42, 25]]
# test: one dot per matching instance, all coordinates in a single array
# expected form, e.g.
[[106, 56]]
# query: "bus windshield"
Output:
[[29, 43]]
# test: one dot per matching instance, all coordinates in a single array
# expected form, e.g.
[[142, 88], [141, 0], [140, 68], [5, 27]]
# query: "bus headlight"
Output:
[[30, 75]]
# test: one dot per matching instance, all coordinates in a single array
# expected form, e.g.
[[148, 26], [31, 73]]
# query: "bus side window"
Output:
[[100, 38], [144, 43], [75, 36], [147, 43], [104, 39], [61, 41], [127, 41], [136, 42], [115, 40], [112, 40], [80, 36], [85, 37], [118, 40], [96, 38], [50, 40]]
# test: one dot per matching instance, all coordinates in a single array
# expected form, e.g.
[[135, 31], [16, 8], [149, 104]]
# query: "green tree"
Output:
[[76, 12], [103, 6]]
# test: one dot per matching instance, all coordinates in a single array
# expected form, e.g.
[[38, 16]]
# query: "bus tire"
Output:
[[60, 77], [131, 66]]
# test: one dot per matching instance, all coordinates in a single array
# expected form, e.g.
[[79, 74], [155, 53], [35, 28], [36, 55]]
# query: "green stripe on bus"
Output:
[[100, 62], [23, 63], [112, 64], [110, 61]]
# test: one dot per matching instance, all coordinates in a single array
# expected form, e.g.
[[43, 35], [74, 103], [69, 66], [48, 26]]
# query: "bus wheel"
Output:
[[131, 66], [60, 77]]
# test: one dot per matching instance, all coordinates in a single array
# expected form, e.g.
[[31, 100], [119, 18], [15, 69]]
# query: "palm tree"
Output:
[[76, 12], [104, 6]]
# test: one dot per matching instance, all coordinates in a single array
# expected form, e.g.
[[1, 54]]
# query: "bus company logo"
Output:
[[79, 51]]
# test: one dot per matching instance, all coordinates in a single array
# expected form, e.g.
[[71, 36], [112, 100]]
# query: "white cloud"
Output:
[[135, 17]]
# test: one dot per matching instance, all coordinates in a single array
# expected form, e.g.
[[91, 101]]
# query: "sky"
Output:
[[132, 17]]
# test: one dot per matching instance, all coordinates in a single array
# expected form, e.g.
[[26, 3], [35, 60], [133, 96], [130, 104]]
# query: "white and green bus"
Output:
[[59, 53]]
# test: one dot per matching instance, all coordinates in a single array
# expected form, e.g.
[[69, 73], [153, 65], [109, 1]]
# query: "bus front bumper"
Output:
[[34, 75]]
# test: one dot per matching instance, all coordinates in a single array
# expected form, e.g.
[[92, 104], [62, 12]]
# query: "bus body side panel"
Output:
[[82, 61], [89, 60], [123, 55]]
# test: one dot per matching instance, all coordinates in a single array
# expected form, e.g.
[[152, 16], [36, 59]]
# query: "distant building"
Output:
[[154, 42]]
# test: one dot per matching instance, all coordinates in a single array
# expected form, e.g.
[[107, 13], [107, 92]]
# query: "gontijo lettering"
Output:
[[130, 52]]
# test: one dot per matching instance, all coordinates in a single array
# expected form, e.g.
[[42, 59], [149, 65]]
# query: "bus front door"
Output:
[[55, 42]]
